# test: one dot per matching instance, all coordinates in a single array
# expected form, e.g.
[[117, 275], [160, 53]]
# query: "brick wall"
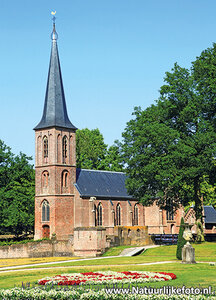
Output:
[[58, 191], [89, 241], [44, 248]]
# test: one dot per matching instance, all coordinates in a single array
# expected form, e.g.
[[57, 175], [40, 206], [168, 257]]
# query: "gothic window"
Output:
[[45, 211], [118, 214], [170, 212], [136, 211], [64, 148], [65, 179], [45, 147], [59, 148], [99, 215], [95, 215], [45, 179]]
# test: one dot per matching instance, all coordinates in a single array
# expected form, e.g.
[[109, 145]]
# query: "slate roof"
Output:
[[55, 110], [210, 214], [101, 184]]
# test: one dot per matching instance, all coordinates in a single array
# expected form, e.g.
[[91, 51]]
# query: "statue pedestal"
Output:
[[188, 254]]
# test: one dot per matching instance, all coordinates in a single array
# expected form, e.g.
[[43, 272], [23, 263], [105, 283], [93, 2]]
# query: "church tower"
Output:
[[55, 158]]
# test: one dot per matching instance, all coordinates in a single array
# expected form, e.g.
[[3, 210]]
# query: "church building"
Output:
[[91, 208]]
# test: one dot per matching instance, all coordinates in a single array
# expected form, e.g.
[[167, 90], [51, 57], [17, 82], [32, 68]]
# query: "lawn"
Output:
[[25, 261], [189, 275], [205, 252], [116, 250], [201, 274]]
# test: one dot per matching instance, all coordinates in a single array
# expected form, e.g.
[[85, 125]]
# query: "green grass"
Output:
[[116, 250], [189, 275], [203, 252], [36, 260]]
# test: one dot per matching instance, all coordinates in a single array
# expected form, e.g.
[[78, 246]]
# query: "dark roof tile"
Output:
[[210, 214], [102, 184]]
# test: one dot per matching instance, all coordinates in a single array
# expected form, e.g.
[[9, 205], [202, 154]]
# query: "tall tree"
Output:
[[90, 149], [93, 153], [113, 160], [171, 144], [16, 192]]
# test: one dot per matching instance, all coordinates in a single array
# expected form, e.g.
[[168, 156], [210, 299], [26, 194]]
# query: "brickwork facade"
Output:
[[190, 218], [55, 175]]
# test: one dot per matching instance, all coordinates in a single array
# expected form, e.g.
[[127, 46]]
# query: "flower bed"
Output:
[[40, 294], [106, 277]]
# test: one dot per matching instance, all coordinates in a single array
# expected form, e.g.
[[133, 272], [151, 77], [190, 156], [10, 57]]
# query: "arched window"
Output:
[[118, 214], [59, 148], [136, 213], [170, 212], [45, 211], [95, 215], [45, 179], [65, 179], [64, 149], [99, 215], [45, 147]]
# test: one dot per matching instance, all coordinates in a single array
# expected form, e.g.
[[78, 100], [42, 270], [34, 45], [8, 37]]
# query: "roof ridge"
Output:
[[105, 171]]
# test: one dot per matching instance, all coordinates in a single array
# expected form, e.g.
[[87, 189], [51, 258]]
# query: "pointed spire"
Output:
[[55, 110]]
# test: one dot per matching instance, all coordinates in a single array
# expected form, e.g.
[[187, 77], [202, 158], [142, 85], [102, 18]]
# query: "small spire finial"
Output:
[[54, 35]]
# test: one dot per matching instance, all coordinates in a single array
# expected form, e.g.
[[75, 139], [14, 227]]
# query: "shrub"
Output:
[[21, 242], [181, 241]]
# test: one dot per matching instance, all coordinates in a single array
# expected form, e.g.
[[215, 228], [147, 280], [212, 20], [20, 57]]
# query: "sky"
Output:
[[113, 54]]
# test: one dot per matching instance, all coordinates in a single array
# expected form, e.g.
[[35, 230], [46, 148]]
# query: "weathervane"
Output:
[[54, 18], [54, 35]]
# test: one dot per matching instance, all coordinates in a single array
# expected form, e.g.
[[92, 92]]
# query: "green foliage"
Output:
[[90, 148], [208, 192], [181, 241], [22, 242], [16, 192], [169, 147], [92, 152], [113, 160]]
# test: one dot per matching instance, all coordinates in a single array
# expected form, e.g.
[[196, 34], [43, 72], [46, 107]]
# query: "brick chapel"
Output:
[[85, 206]]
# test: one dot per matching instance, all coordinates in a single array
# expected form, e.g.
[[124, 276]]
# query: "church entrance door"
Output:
[[46, 231]]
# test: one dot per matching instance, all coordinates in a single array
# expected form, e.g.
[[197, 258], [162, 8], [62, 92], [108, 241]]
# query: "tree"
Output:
[[113, 160], [208, 192], [16, 192], [148, 149], [181, 241], [170, 145], [90, 149], [92, 152]]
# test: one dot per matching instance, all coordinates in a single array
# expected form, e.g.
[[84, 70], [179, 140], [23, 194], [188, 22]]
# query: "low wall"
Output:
[[87, 241], [133, 235], [44, 248]]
